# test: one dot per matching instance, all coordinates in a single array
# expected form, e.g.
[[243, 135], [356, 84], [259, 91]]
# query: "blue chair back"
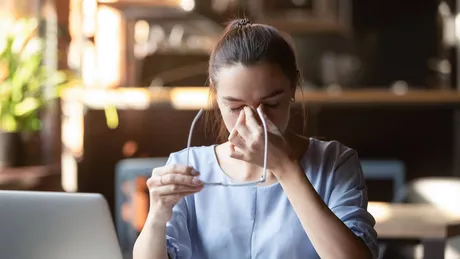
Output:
[[386, 170], [126, 172]]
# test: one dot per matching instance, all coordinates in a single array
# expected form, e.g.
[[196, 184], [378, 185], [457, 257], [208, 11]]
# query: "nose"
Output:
[[258, 109], [257, 105]]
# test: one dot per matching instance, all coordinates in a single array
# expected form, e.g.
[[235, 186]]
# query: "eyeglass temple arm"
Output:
[[264, 126], [190, 134]]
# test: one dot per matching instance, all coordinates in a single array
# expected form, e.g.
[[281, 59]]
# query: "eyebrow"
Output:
[[275, 93]]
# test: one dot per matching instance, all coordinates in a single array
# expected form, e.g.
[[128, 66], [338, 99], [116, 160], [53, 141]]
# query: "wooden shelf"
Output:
[[147, 9], [196, 97], [140, 3], [380, 96]]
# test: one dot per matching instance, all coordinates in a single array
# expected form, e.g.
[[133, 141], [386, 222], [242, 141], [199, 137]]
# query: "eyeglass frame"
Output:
[[252, 183]]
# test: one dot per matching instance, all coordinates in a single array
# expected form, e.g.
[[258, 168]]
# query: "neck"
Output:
[[297, 143]]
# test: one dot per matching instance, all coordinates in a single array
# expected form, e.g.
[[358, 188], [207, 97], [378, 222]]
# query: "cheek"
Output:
[[279, 117], [230, 119]]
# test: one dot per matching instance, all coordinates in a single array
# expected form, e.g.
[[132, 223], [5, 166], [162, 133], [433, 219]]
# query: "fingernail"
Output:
[[195, 172], [196, 180]]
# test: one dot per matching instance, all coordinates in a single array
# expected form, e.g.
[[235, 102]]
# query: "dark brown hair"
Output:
[[248, 44]]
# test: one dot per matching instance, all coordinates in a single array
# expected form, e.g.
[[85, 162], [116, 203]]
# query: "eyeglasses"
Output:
[[264, 173]]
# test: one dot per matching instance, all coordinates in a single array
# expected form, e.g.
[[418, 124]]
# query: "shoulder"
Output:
[[331, 154], [332, 163]]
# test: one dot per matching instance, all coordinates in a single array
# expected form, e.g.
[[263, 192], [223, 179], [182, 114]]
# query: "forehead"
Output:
[[256, 80]]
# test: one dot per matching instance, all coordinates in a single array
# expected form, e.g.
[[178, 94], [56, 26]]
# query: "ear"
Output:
[[297, 80], [293, 91]]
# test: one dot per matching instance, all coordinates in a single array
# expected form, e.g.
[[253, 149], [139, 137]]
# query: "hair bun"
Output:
[[243, 22]]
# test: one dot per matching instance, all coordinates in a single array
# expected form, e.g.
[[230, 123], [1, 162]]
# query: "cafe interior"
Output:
[[124, 79]]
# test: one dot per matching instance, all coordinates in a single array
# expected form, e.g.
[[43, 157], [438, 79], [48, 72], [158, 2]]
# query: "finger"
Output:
[[243, 133], [167, 190], [174, 198], [237, 141], [240, 132], [234, 153], [174, 168], [234, 131], [241, 127], [251, 121], [234, 137], [174, 179], [180, 180]]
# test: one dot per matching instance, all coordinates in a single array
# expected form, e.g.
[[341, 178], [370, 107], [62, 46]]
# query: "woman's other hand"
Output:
[[167, 185]]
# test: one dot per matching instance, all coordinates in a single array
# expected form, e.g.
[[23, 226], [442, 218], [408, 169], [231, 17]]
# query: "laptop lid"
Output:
[[52, 225]]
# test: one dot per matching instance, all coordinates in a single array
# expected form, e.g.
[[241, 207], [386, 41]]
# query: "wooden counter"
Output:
[[414, 221], [423, 222]]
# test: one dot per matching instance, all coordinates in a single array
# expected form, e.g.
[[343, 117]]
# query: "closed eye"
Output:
[[237, 109], [271, 105]]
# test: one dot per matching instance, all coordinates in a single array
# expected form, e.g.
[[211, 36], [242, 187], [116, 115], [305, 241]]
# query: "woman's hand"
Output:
[[167, 185], [247, 141]]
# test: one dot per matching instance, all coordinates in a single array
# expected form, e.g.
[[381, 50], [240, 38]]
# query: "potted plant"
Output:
[[23, 80]]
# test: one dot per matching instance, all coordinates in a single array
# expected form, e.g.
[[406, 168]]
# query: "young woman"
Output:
[[313, 202]]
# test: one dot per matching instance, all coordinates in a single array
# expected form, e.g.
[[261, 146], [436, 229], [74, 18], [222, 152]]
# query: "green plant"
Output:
[[26, 84]]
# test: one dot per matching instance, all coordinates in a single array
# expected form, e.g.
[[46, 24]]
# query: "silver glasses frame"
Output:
[[231, 184]]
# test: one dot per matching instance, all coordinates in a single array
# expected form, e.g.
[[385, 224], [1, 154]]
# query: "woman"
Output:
[[313, 201]]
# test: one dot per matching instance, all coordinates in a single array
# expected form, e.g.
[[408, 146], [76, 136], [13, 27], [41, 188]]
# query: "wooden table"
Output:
[[423, 222]]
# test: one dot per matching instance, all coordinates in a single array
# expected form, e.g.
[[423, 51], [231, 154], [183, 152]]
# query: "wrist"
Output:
[[288, 166], [155, 221], [158, 216]]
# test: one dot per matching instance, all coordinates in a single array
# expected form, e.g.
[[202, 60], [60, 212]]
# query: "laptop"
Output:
[[56, 225]]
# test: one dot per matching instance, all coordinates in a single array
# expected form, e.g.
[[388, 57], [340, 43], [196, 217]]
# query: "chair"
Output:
[[386, 170], [131, 198]]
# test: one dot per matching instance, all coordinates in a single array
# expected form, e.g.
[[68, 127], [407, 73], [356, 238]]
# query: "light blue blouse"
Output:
[[259, 222]]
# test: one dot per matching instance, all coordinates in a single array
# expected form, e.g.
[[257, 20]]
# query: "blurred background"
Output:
[[94, 94]]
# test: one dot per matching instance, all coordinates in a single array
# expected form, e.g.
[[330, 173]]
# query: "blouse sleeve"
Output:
[[348, 200], [178, 242]]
